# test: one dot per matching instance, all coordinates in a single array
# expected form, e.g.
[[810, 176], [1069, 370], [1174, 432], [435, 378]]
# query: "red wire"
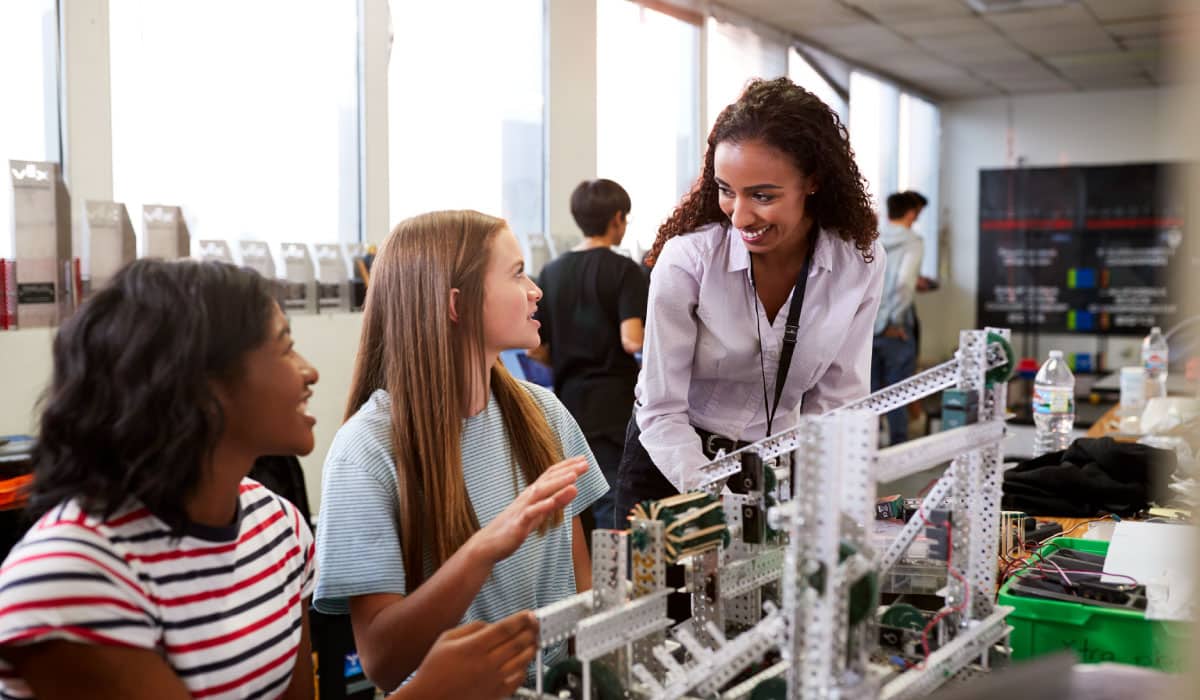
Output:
[[954, 572]]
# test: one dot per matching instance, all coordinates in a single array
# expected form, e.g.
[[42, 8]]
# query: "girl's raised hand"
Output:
[[553, 490]]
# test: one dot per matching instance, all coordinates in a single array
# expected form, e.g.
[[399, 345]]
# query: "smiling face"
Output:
[[763, 193], [266, 403], [509, 298]]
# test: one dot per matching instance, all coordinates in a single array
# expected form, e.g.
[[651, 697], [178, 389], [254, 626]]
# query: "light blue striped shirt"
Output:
[[358, 539]]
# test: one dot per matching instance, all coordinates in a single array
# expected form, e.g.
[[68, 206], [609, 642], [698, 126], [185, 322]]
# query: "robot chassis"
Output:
[[819, 551]]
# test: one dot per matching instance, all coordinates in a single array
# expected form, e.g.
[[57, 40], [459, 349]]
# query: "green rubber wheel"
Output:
[[1001, 374], [904, 616], [770, 689], [567, 675]]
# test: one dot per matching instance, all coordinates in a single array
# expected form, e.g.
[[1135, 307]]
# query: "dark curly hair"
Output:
[[129, 411], [795, 121]]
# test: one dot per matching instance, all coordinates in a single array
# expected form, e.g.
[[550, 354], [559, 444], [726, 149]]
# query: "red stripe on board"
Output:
[[1022, 224], [206, 643], [197, 597], [1142, 222], [217, 689], [69, 603], [220, 549]]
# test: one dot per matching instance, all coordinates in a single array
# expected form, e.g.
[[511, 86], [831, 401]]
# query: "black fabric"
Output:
[[637, 478], [284, 476], [586, 296], [1091, 477]]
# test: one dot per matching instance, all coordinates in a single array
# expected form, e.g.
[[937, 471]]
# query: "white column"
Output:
[[86, 101], [571, 110], [375, 32]]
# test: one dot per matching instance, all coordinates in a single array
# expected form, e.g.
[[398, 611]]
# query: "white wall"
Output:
[[1037, 130], [328, 341]]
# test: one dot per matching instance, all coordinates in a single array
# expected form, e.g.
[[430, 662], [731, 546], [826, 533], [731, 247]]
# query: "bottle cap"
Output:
[[1056, 353], [1155, 329]]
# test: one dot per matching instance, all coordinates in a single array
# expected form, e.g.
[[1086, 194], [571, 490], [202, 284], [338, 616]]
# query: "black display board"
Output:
[[1080, 249]]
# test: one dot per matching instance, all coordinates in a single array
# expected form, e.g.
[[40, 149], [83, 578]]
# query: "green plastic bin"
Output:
[[1095, 633]]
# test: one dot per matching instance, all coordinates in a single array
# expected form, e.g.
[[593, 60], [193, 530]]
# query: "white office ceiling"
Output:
[[948, 49]]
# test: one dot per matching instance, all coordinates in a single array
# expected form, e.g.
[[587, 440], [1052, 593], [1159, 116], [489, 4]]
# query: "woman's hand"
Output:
[[478, 660], [553, 490]]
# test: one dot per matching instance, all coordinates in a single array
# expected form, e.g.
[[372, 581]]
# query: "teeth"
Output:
[[755, 233]]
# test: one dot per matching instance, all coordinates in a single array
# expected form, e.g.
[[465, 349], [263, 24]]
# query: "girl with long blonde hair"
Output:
[[452, 492]]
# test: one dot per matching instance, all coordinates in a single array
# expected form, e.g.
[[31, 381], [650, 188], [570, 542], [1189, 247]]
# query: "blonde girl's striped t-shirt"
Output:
[[221, 605], [358, 537]]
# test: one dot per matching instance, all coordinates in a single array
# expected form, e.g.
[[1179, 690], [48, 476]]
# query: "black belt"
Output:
[[711, 443]]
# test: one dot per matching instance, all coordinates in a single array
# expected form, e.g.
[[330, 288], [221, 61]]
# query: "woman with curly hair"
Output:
[[765, 284]]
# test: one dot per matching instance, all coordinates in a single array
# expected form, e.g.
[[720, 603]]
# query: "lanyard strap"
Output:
[[790, 332]]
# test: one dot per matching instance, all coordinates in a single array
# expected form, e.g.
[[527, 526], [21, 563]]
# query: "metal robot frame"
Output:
[[836, 465]]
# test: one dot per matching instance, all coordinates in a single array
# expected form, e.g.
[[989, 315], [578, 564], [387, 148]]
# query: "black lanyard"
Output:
[[791, 330]]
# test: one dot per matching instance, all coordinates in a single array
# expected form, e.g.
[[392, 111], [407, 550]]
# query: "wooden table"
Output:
[[1106, 424]]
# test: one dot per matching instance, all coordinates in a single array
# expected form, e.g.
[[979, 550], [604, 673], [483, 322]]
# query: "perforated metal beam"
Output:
[[910, 457], [712, 476]]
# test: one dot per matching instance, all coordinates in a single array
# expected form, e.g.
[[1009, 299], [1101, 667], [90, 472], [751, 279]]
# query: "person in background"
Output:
[[592, 312], [918, 421], [452, 492], [894, 350], [156, 570]]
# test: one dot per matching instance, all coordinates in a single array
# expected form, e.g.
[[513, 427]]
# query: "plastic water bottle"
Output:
[[1053, 405], [1154, 359]]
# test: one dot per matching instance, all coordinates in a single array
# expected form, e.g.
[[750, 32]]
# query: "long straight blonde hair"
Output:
[[410, 347]]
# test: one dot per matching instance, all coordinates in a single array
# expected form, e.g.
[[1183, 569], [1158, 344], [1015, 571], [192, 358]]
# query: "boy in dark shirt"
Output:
[[593, 314]]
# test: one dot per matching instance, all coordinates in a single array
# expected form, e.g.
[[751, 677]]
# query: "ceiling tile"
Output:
[[917, 67], [857, 40], [1027, 69], [949, 26], [1112, 82], [1108, 10], [1065, 16], [797, 14], [1136, 29], [957, 89], [1092, 72], [972, 49], [892, 11], [1096, 58], [1062, 40], [1017, 84]]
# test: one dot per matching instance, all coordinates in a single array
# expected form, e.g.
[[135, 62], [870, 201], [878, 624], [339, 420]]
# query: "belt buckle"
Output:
[[711, 443]]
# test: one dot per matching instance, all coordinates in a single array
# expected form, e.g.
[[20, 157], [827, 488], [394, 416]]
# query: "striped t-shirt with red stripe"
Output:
[[222, 605]]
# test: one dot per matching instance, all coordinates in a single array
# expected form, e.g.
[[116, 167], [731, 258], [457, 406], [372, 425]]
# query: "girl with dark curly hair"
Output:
[[773, 249], [156, 569]]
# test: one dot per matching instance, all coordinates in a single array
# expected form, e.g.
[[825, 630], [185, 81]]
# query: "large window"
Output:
[[874, 116], [895, 139], [29, 85], [737, 53], [243, 112], [803, 74], [920, 133], [466, 93], [648, 104]]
